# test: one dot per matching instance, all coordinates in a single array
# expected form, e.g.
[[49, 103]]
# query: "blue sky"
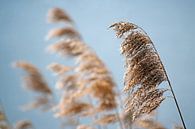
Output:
[[169, 23]]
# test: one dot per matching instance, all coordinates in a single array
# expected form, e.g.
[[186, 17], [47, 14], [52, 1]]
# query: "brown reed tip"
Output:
[[58, 15], [23, 124], [33, 79]]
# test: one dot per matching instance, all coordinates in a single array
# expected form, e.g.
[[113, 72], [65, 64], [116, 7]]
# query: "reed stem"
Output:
[[172, 91]]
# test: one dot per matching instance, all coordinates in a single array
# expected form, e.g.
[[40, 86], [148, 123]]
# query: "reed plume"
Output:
[[74, 108], [62, 32], [2, 116], [87, 78], [58, 69], [24, 124], [149, 124], [4, 122], [84, 127], [58, 15], [44, 103], [144, 71], [107, 119], [34, 81]]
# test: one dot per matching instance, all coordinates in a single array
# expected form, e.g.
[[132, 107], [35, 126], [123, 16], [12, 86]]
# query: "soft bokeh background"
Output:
[[169, 23]]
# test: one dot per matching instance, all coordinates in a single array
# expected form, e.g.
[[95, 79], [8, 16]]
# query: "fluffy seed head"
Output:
[[58, 15], [33, 79], [144, 70]]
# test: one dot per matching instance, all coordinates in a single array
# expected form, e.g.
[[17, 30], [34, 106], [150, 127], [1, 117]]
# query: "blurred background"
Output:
[[170, 24]]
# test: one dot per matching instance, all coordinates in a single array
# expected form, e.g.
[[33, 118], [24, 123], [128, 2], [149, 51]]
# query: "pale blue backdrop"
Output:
[[169, 23]]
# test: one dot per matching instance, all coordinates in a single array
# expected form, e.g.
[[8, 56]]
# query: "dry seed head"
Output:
[[107, 104], [63, 32], [74, 108], [87, 57], [122, 27], [59, 69], [84, 127], [144, 102], [43, 102], [107, 119], [65, 100], [148, 107], [95, 72], [33, 80], [68, 47], [144, 70], [149, 124], [2, 116], [67, 82], [93, 67], [90, 70], [58, 15], [23, 124], [103, 91]]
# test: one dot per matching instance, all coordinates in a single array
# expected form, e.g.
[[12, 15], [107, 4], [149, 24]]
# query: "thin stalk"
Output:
[[172, 91], [169, 83], [176, 103]]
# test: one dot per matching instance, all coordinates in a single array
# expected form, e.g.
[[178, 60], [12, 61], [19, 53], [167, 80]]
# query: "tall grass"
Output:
[[87, 87]]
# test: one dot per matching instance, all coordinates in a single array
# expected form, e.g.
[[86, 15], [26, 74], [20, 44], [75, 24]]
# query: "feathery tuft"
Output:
[[149, 124], [33, 79], [58, 15], [107, 119], [63, 32], [59, 69], [90, 75], [144, 70], [84, 127], [23, 124]]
